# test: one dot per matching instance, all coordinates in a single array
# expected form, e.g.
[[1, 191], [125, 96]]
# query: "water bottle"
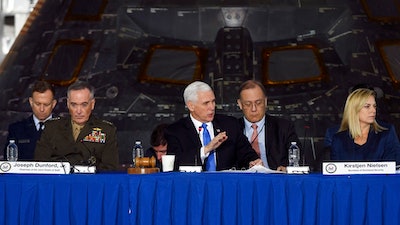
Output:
[[294, 154], [12, 151], [137, 152]]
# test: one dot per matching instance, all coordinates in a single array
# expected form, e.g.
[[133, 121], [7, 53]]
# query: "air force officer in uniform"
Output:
[[27, 131]]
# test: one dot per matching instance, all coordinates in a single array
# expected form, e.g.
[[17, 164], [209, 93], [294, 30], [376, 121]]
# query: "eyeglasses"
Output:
[[257, 104]]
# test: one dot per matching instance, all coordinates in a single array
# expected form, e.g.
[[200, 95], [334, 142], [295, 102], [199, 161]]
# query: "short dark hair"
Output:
[[157, 136], [42, 86], [249, 84], [80, 85]]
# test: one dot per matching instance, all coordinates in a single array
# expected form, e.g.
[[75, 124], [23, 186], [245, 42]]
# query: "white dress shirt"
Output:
[[200, 131], [36, 121]]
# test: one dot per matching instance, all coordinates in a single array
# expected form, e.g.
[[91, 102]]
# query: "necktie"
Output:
[[76, 132], [41, 127], [210, 165], [254, 139]]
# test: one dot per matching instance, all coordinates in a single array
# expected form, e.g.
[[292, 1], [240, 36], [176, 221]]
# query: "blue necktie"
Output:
[[210, 165]]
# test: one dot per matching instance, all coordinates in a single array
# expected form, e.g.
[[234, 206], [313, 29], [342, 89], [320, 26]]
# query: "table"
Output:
[[199, 198], [179, 198], [64, 199]]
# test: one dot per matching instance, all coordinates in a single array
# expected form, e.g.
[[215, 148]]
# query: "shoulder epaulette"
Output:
[[108, 122], [54, 118]]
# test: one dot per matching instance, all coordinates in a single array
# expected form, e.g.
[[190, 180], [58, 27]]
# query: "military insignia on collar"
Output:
[[96, 136]]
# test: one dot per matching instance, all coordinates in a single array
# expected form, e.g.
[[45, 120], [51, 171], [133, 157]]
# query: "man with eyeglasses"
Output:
[[158, 144], [214, 141], [270, 136], [81, 138]]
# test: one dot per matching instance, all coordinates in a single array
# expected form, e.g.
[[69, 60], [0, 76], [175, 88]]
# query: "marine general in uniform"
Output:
[[81, 138]]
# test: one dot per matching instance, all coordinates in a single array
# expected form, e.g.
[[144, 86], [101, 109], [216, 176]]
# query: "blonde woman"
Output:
[[360, 136]]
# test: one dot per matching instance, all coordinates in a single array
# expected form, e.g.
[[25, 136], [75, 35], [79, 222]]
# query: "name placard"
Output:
[[84, 169], [343, 168], [196, 169], [25, 167], [297, 169]]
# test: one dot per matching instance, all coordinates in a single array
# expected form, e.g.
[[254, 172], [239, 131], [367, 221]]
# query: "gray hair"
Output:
[[191, 91], [80, 85]]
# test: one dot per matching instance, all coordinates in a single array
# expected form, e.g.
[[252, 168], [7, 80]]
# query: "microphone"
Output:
[[92, 159], [62, 165], [63, 157], [195, 156], [303, 153]]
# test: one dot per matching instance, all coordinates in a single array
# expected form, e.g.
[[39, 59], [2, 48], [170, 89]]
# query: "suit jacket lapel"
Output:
[[217, 130], [31, 127], [216, 127], [67, 130], [269, 134], [192, 131]]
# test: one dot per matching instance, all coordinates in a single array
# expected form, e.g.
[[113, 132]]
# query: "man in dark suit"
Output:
[[273, 135], [203, 138], [80, 138], [158, 144], [27, 131]]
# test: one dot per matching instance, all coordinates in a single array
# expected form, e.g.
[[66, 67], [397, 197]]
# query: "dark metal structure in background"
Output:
[[139, 55]]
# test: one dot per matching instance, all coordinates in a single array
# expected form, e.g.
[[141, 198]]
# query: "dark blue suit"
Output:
[[184, 142], [380, 146], [25, 134], [330, 132]]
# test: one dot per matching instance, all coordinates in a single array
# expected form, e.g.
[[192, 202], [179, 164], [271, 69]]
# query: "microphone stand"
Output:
[[72, 165], [92, 159]]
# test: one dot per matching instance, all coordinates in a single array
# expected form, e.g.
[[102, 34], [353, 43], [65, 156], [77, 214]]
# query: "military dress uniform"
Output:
[[25, 134], [95, 145]]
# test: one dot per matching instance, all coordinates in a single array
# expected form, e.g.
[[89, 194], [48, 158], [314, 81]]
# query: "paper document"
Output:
[[255, 169], [263, 169]]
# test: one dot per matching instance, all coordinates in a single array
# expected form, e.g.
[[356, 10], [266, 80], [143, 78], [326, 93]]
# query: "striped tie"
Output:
[[254, 139]]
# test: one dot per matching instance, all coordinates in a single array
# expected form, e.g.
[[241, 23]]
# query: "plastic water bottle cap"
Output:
[[138, 142], [293, 142], [12, 141]]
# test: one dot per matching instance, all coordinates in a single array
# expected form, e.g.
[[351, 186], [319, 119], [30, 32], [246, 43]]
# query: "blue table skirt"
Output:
[[64, 199], [200, 199], [204, 198]]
